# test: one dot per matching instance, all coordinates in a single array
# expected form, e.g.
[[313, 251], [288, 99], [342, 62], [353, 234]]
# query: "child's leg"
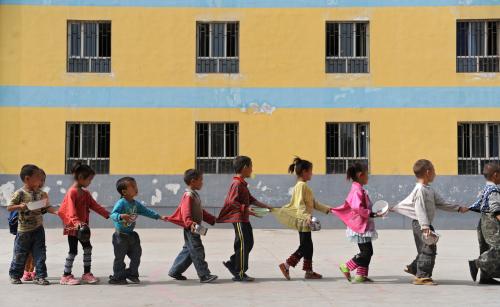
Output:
[[30, 264], [39, 252], [426, 256], [489, 260], [120, 247], [183, 260], [307, 248], [87, 256], [363, 258], [73, 251], [417, 236], [243, 244], [22, 246], [134, 253], [197, 253], [294, 258]]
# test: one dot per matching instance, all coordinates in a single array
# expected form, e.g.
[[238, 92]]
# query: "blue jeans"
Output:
[[25, 243], [192, 252], [126, 244]]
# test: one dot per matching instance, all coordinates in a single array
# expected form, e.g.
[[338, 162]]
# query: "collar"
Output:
[[357, 185], [238, 178], [188, 189], [490, 183]]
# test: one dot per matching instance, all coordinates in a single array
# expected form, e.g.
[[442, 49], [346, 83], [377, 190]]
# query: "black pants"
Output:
[[365, 254], [243, 244], [423, 265], [306, 247], [126, 244], [73, 251]]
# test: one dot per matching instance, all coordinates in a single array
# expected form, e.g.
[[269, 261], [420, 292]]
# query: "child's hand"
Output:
[[463, 209], [164, 218], [126, 217], [308, 221], [22, 206], [426, 231], [498, 217], [193, 226]]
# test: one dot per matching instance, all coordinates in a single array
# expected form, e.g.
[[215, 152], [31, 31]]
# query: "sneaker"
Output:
[[228, 266], [41, 281], [89, 278], [15, 281], [69, 280], [473, 269], [27, 276], [177, 276], [208, 278], [113, 281], [345, 270], [361, 279], [285, 271], [424, 281], [134, 279], [33, 275], [245, 278], [312, 275]]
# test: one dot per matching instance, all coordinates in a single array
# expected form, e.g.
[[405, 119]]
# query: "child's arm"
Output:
[[209, 218], [357, 204], [421, 212], [97, 208], [70, 212], [48, 208], [186, 211], [16, 203], [142, 210], [116, 215], [494, 204], [321, 207], [445, 206], [255, 202]]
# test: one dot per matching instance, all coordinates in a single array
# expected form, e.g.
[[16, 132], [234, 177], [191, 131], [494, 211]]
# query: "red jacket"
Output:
[[75, 209], [237, 203], [183, 215]]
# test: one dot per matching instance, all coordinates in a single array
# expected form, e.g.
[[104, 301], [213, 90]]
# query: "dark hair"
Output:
[[240, 162], [122, 184], [354, 169], [28, 170], [192, 174], [421, 167], [82, 170], [490, 169], [299, 166]]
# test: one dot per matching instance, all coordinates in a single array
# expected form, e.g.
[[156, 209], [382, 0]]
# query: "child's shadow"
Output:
[[409, 279], [195, 282]]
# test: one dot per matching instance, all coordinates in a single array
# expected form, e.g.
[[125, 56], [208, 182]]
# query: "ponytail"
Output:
[[354, 169], [81, 171], [299, 166]]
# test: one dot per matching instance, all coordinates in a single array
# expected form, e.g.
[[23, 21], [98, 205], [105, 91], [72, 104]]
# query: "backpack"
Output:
[[13, 222]]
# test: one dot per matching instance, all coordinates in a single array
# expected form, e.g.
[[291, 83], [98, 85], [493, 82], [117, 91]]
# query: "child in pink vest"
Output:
[[356, 213]]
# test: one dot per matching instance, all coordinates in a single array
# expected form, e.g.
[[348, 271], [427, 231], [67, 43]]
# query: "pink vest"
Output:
[[355, 212]]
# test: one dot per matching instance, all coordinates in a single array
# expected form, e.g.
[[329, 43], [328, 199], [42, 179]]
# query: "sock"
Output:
[[362, 271], [68, 265], [293, 260], [351, 265], [287, 266]]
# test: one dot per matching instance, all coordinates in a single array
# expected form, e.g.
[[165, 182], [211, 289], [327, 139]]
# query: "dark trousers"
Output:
[[25, 243], [126, 244], [488, 233], [423, 264], [243, 244], [306, 247], [365, 254], [73, 251], [192, 252]]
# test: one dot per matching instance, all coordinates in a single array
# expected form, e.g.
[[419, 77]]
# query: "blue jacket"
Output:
[[134, 207]]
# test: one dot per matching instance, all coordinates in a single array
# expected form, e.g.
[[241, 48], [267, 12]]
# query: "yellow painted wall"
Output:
[[411, 46], [162, 141]]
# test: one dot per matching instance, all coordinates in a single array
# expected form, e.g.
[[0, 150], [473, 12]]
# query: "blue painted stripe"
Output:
[[253, 3], [208, 97]]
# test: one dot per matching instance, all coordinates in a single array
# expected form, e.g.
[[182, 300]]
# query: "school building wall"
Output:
[[281, 98]]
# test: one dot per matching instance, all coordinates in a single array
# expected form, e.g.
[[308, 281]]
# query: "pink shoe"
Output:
[[33, 275], [89, 278], [69, 280], [27, 276]]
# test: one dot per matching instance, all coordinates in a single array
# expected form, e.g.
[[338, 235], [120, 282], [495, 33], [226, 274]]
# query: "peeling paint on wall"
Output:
[[6, 191], [173, 187], [156, 199]]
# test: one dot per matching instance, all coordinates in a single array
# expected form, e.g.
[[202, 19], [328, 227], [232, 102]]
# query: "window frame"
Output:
[[485, 125], [209, 152]]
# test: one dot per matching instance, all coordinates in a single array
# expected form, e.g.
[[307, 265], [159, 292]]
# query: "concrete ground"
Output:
[[392, 286]]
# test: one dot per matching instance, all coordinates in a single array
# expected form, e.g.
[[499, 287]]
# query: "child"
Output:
[[125, 240], [236, 211], [421, 207], [74, 213], [357, 214], [189, 214], [488, 229], [30, 237], [300, 208]]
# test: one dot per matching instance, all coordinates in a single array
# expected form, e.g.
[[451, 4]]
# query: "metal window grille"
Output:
[[347, 47], [88, 143], [478, 46], [478, 144], [346, 143], [89, 46], [217, 48], [216, 147]]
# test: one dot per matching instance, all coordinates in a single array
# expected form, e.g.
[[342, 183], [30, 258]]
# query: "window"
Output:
[[347, 47], [478, 46], [89, 143], [89, 46], [346, 143], [216, 147], [217, 47], [478, 144]]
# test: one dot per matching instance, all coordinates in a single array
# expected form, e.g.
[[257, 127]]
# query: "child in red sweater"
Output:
[[188, 215], [74, 212]]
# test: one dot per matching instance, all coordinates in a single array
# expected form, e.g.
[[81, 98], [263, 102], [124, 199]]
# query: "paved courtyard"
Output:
[[393, 250]]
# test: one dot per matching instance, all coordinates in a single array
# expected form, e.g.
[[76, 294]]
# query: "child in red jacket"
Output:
[[74, 212], [188, 215]]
